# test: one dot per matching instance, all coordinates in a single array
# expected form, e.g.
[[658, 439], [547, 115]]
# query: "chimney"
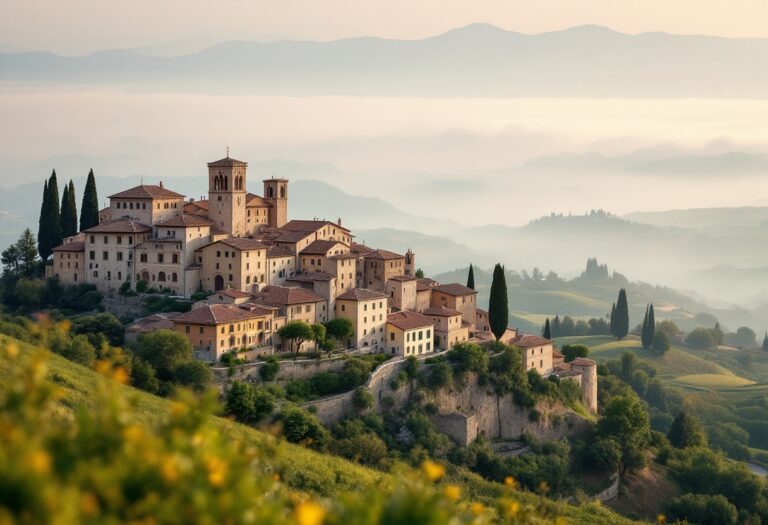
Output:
[[339, 221], [161, 184]]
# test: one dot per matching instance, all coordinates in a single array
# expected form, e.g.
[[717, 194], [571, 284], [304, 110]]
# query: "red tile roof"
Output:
[[441, 311], [310, 277], [243, 243], [120, 226], [75, 246], [231, 292], [583, 361], [407, 320], [403, 278], [147, 191], [383, 255], [254, 201], [361, 294], [274, 252], [342, 256], [528, 341], [309, 226], [454, 289], [226, 162], [185, 220], [213, 314], [321, 247], [285, 295]]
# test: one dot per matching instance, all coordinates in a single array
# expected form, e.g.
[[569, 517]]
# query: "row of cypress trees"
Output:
[[58, 219]]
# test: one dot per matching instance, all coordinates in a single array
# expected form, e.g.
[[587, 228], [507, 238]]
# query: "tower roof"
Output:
[[227, 162], [272, 179]]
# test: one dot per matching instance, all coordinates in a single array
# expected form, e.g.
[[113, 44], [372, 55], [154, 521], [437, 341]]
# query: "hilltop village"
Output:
[[263, 270]]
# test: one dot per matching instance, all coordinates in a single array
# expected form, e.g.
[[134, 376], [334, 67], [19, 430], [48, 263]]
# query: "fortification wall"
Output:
[[289, 370]]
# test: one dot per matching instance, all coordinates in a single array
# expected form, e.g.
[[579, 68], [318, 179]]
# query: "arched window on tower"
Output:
[[270, 193], [282, 192], [226, 183]]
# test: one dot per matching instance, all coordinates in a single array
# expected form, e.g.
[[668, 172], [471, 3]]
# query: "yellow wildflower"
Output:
[[169, 470], [309, 513], [12, 350], [510, 482], [477, 508], [40, 461], [89, 504], [121, 376], [432, 470], [217, 471], [513, 509], [661, 518], [452, 492]]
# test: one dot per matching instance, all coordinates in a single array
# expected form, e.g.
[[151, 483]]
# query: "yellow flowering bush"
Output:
[[100, 465]]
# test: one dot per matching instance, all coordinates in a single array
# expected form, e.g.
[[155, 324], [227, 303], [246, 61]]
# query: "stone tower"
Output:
[[226, 195], [276, 193], [410, 263], [588, 370]]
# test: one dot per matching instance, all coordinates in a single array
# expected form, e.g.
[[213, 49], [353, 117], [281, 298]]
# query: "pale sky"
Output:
[[82, 26]]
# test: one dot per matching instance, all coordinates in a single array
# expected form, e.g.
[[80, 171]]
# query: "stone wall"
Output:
[[289, 370]]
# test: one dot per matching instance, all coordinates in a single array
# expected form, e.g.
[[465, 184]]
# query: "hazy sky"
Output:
[[80, 26]]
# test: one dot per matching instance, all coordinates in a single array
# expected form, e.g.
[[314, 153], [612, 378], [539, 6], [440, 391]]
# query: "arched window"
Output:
[[174, 277], [226, 183], [161, 277], [271, 192], [282, 192]]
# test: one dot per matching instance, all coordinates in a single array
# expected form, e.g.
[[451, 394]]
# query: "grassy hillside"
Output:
[[299, 468]]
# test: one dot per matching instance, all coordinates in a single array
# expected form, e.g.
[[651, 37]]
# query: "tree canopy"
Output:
[[89, 210], [498, 305], [686, 431], [296, 332]]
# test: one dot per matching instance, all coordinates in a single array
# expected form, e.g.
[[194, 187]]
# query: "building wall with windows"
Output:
[[160, 264], [109, 257], [414, 341], [69, 263], [224, 265], [369, 320]]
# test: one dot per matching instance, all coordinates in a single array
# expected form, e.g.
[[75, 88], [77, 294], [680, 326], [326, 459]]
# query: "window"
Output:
[[119, 256], [392, 336], [160, 258], [105, 256], [187, 329], [143, 257], [119, 239], [92, 256], [175, 258], [130, 239], [106, 240], [93, 239]]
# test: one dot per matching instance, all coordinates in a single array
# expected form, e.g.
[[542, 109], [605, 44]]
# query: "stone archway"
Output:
[[218, 283]]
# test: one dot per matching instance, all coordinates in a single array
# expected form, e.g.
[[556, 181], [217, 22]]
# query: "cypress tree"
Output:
[[621, 316], [43, 246], [613, 319], [765, 342], [68, 211], [89, 210], [54, 212], [556, 326], [651, 325], [471, 278], [498, 305], [644, 331], [547, 332]]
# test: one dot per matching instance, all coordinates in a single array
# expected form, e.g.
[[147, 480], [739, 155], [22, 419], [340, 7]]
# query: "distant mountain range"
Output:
[[476, 60]]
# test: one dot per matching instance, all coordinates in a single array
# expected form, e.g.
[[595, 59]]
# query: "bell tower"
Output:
[[276, 193], [226, 195]]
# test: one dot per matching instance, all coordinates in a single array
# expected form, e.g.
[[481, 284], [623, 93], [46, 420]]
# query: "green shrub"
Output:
[[269, 369]]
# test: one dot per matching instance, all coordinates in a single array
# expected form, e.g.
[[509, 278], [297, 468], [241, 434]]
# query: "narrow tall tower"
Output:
[[226, 195], [276, 193]]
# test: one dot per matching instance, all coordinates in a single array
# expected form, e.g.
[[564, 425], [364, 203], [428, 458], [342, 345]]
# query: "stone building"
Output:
[[458, 297], [449, 328], [537, 353], [410, 333], [367, 309]]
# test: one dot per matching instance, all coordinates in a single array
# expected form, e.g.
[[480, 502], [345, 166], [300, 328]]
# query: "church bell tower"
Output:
[[276, 193], [227, 195]]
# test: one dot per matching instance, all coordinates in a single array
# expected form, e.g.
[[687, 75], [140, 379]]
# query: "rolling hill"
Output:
[[484, 61], [300, 468]]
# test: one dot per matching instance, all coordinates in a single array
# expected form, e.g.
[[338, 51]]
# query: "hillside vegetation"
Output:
[[349, 486]]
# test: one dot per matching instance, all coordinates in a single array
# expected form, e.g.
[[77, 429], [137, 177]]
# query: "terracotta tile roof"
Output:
[[185, 220], [285, 295], [120, 226], [481, 311], [310, 277], [255, 201], [454, 289], [361, 294], [321, 247], [308, 226], [199, 208], [212, 314], [75, 246], [274, 252], [342, 256], [288, 236], [528, 341], [583, 361], [360, 249], [402, 278], [243, 243], [421, 287], [385, 255], [441, 311], [160, 321], [226, 162], [232, 292], [147, 191], [428, 282], [407, 320]]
